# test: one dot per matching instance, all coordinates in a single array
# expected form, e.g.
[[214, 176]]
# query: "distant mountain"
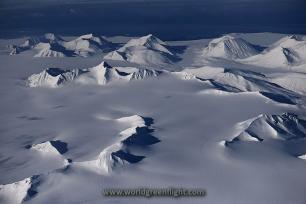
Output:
[[101, 74], [231, 48], [233, 80], [145, 50], [50, 45], [86, 45], [288, 51]]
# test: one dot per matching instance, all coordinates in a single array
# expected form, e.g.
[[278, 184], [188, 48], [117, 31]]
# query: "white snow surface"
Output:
[[226, 115]]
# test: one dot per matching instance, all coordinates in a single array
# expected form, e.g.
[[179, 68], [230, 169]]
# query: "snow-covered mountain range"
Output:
[[227, 115], [101, 74], [51, 45]]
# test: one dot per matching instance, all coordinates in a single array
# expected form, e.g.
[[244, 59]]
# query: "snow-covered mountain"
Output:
[[20, 191], [233, 80], [87, 45], [286, 126], [217, 78], [145, 50], [230, 47], [288, 51], [238, 116], [101, 74], [138, 134], [291, 81], [51, 45]]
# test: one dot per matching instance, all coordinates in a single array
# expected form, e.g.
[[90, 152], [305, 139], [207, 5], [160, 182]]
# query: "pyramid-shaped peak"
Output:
[[225, 38], [104, 65], [92, 39], [145, 40], [294, 37], [230, 47], [151, 38]]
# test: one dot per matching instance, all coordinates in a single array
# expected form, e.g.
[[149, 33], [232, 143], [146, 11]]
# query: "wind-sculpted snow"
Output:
[[286, 126], [101, 74], [147, 50], [139, 134], [50, 45], [230, 47]]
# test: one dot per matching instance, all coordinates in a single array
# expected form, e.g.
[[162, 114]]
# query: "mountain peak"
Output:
[[104, 65], [148, 40], [293, 37], [230, 47]]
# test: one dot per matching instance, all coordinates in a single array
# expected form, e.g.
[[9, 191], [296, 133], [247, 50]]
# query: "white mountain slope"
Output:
[[20, 191], [145, 50], [50, 45], [51, 147], [234, 80], [138, 134], [50, 50], [290, 81], [87, 45], [230, 47], [286, 126], [288, 51], [45, 40], [101, 74]]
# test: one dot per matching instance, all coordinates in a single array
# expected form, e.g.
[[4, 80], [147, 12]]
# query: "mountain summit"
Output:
[[144, 50], [230, 47]]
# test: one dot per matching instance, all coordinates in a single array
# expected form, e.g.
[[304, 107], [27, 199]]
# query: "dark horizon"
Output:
[[169, 20]]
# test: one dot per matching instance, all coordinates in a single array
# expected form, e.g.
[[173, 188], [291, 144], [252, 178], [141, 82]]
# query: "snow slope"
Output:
[[144, 50], [119, 153], [230, 47], [288, 51], [286, 126], [101, 74], [19, 192], [87, 45]]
